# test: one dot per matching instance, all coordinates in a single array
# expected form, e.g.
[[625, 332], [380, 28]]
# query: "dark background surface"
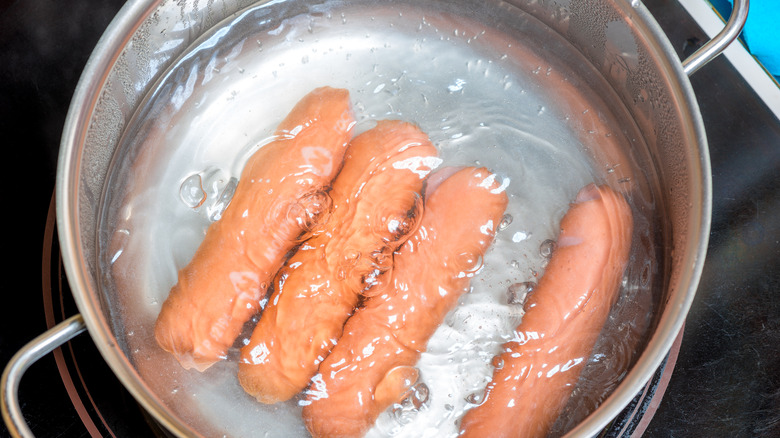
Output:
[[726, 381]]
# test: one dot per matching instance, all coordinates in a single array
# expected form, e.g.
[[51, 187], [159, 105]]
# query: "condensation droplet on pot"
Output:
[[547, 248], [644, 276], [191, 191], [518, 292], [405, 412], [456, 86], [505, 221]]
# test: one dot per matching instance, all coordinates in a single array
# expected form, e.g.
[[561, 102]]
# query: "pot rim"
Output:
[[699, 218], [85, 98], [84, 101]]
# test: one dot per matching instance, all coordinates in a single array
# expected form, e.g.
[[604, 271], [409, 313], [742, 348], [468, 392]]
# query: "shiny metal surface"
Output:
[[77, 191], [657, 93], [715, 46], [14, 371]]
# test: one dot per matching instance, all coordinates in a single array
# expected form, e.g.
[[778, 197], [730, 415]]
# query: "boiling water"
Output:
[[493, 89]]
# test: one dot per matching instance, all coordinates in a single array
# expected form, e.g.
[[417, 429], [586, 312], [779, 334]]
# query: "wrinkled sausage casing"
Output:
[[281, 196], [564, 316], [373, 365], [376, 207]]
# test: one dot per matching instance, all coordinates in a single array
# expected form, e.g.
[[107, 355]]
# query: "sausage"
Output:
[[372, 366], [563, 318], [281, 195], [376, 206]]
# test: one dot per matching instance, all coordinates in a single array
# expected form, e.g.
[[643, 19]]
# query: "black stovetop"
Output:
[[726, 379]]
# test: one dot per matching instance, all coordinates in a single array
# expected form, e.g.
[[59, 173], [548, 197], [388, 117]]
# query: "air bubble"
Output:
[[215, 212], [497, 362], [474, 398], [547, 248], [191, 191], [518, 292], [505, 221], [405, 412], [418, 395]]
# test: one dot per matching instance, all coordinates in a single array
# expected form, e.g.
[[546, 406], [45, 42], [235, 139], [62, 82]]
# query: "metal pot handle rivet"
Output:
[[34, 350], [715, 46]]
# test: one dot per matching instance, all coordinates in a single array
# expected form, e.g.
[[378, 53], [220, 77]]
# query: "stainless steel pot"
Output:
[[148, 36]]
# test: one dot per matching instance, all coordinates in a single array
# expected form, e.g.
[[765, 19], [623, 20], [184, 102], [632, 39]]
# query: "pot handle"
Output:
[[34, 350], [715, 46]]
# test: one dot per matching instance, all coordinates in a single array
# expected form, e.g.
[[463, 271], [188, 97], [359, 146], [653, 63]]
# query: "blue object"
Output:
[[760, 34]]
